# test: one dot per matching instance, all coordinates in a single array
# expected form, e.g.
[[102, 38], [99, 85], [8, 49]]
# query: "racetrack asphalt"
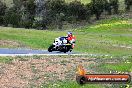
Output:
[[30, 52]]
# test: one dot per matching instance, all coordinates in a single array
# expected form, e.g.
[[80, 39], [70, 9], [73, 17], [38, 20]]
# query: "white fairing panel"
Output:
[[65, 41], [57, 42]]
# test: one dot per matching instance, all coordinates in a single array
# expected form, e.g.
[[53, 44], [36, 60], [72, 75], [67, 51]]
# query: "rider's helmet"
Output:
[[69, 34]]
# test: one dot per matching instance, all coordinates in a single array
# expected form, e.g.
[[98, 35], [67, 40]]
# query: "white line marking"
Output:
[[43, 54]]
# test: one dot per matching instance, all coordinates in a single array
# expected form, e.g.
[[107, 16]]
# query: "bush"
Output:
[[2, 12], [98, 7], [77, 9], [115, 5], [108, 7], [89, 12], [55, 11], [29, 13], [40, 25], [128, 3], [12, 17]]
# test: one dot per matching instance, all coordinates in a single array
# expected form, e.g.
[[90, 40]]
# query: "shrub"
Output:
[[128, 3], [2, 12]]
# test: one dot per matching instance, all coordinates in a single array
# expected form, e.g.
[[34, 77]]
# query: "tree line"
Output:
[[39, 15]]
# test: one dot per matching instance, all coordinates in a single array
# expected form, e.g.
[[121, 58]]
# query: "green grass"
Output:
[[105, 34], [71, 84], [114, 25], [105, 37], [5, 59], [114, 64], [121, 66], [124, 67], [33, 38]]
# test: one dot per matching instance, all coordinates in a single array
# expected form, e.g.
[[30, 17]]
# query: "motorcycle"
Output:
[[60, 44]]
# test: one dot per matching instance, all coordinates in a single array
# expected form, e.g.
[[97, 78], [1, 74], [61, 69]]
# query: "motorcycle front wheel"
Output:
[[65, 49]]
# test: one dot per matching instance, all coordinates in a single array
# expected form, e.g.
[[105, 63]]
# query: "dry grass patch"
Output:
[[10, 44], [32, 72]]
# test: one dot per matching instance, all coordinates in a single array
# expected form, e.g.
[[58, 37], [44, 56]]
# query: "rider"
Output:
[[71, 38]]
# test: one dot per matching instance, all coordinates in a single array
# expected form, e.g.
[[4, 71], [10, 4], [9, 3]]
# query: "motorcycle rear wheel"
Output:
[[50, 49]]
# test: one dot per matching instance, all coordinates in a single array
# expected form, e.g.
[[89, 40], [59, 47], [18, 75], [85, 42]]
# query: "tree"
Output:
[[13, 14], [77, 10], [59, 20], [97, 7], [2, 12], [55, 10], [12, 17], [29, 13], [89, 12], [115, 5], [108, 7], [128, 3], [57, 6], [22, 14]]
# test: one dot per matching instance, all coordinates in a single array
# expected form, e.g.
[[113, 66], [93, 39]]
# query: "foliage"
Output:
[[97, 7], [115, 5], [21, 14], [42, 14], [29, 7], [12, 17], [76, 9], [128, 3], [56, 10], [2, 12]]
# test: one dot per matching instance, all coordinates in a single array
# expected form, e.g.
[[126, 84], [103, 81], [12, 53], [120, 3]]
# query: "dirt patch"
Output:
[[26, 72], [9, 43], [34, 72]]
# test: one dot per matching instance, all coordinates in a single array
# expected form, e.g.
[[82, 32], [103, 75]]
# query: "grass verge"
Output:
[[6, 60], [111, 36]]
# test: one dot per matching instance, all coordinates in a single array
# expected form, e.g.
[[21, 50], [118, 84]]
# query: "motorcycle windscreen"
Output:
[[63, 39]]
